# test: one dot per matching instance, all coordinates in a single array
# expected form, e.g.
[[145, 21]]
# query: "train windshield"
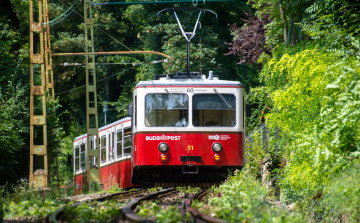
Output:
[[166, 110], [212, 110]]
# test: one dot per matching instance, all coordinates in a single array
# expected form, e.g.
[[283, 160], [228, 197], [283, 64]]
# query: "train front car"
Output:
[[187, 130]]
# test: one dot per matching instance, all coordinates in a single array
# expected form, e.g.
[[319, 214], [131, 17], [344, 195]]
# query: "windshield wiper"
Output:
[[174, 97], [222, 97]]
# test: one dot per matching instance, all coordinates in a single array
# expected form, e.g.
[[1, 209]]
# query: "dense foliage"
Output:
[[135, 27], [249, 40], [300, 65], [309, 101], [243, 200]]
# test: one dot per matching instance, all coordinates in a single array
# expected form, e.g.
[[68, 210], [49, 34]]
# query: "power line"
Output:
[[112, 75], [96, 82], [62, 16], [98, 28], [106, 64]]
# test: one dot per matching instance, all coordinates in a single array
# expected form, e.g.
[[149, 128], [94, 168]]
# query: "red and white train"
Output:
[[183, 130]]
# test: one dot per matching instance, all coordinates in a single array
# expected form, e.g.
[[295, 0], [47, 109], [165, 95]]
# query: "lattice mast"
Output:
[[48, 55], [49, 75], [39, 179], [93, 174]]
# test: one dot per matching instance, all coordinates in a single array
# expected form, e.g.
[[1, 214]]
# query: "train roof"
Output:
[[106, 127], [186, 82]]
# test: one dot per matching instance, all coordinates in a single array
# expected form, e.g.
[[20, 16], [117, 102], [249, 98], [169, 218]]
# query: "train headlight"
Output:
[[163, 158], [217, 158], [217, 147], [163, 147]]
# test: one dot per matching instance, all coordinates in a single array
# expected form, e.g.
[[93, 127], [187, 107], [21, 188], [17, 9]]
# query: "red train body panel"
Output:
[[188, 144]]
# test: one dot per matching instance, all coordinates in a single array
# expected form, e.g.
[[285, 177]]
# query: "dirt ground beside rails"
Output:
[[128, 197], [20, 220], [173, 198], [83, 197], [122, 198]]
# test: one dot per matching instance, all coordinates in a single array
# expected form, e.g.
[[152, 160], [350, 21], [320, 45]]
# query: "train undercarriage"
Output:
[[180, 175]]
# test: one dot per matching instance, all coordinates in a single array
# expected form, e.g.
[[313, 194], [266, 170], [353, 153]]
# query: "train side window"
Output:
[[82, 156], [127, 141], [103, 149], [95, 146], [119, 143], [112, 146], [109, 151], [91, 147], [77, 158]]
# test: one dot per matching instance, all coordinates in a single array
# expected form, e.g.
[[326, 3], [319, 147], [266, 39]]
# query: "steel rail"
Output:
[[56, 216], [128, 209], [159, 2], [115, 53], [198, 216]]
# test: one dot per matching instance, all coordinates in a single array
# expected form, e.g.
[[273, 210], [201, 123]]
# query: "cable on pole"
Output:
[[97, 26], [62, 16]]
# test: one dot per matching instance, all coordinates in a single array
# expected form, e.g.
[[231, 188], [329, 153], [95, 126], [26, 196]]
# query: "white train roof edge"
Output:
[[106, 126], [186, 81]]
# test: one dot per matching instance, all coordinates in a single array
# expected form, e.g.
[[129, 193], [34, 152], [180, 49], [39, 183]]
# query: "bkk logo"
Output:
[[216, 137], [163, 137]]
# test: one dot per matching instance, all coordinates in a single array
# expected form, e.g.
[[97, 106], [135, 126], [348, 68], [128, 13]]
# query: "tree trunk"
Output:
[[282, 12], [293, 33]]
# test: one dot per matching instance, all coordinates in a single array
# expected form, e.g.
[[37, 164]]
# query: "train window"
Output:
[[119, 143], [166, 110], [103, 149], [109, 147], [95, 145], [82, 156], [91, 147], [127, 141], [112, 146], [77, 158], [211, 110]]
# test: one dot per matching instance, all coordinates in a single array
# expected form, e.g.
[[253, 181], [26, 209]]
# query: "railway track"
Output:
[[60, 216], [165, 198], [169, 197]]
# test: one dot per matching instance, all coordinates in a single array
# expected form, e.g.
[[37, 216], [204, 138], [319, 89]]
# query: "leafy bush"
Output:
[[313, 97], [342, 196], [153, 210], [21, 201], [93, 211], [243, 199]]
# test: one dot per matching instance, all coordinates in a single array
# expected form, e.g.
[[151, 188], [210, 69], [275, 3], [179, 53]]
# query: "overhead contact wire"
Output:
[[96, 82], [98, 28], [62, 16], [136, 64]]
